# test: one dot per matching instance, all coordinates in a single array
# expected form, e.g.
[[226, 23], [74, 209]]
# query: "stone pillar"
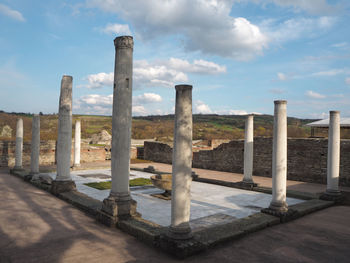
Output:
[[35, 145], [77, 139], [182, 165], [63, 181], [278, 205], [119, 205], [248, 150], [333, 158], [19, 145]]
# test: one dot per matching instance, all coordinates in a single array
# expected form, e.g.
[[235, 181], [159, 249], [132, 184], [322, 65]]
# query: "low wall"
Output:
[[47, 153], [307, 158]]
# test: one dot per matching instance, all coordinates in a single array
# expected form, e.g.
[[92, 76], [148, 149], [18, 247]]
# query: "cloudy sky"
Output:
[[239, 55]]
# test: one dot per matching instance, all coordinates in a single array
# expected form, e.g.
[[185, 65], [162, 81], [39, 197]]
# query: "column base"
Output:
[[17, 169], [280, 210], [249, 185], [76, 166], [58, 187], [180, 232], [332, 195], [115, 208]]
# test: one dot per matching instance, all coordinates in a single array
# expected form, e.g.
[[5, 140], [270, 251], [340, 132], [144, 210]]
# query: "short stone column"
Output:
[[35, 145], [182, 165], [77, 141], [333, 158], [278, 205], [248, 151], [63, 181], [119, 205], [19, 146]]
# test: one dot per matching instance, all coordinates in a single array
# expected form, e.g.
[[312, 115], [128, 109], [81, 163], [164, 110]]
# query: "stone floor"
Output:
[[206, 199]]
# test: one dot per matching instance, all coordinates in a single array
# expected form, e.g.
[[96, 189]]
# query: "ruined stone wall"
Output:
[[307, 158], [158, 152], [47, 153]]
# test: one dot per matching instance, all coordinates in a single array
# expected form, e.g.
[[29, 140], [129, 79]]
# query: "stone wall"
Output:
[[47, 153], [307, 158], [158, 152]]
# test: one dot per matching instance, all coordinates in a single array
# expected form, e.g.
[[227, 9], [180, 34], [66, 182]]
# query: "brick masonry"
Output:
[[307, 158]]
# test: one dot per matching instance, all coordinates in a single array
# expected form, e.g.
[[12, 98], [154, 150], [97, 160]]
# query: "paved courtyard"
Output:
[[206, 199], [37, 227]]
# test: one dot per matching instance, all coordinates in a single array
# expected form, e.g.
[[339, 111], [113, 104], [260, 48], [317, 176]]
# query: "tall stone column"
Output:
[[77, 141], [35, 145], [119, 204], [278, 205], [248, 150], [333, 158], [63, 181], [182, 165], [19, 146]]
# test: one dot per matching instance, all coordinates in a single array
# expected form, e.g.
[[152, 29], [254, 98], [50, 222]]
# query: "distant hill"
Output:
[[205, 126]]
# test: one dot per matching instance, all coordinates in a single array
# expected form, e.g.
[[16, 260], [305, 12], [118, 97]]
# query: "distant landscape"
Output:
[[161, 127]]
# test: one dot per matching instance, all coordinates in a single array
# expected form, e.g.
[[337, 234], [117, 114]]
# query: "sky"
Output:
[[239, 55]]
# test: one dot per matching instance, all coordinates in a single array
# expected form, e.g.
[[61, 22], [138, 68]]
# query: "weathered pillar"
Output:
[[182, 165], [35, 145], [119, 205], [278, 205], [248, 151], [333, 158], [77, 139], [19, 146], [63, 181]]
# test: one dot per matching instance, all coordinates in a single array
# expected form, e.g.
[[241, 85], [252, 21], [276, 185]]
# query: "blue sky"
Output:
[[239, 55]]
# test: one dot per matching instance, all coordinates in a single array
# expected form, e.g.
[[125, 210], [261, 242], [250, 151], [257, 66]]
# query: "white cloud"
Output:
[[296, 28], [147, 98], [102, 104], [204, 26], [14, 14], [198, 66], [161, 73], [118, 29], [201, 107], [314, 7], [331, 72], [314, 95], [340, 45], [99, 80], [347, 80], [281, 76]]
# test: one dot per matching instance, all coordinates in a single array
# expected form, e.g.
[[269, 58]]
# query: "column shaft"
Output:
[[77, 141], [279, 157], [182, 164], [19, 144], [248, 149], [64, 141], [121, 119], [333, 159], [35, 145]]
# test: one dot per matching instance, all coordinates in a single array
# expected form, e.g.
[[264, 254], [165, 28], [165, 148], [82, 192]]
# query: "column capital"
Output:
[[280, 102], [124, 42], [334, 112], [183, 87]]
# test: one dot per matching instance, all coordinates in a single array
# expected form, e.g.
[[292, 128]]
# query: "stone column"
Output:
[[35, 145], [333, 158], [279, 159], [63, 181], [19, 146], [119, 204], [77, 139], [248, 150], [182, 165]]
